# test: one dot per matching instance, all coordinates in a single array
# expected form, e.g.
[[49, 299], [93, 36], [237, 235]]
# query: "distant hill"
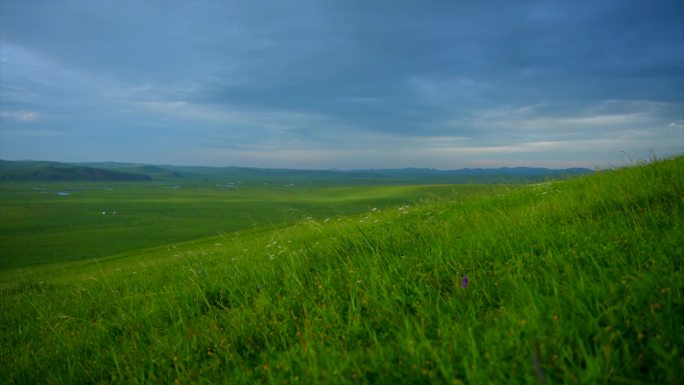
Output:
[[379, 176], [41, 170], [49, 171], [155, 172], [502, 171]]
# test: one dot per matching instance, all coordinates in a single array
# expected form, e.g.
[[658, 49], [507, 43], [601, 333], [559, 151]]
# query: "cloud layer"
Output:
[[342, 84]]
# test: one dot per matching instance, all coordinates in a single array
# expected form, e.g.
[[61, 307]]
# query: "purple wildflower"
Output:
[[464, 281]]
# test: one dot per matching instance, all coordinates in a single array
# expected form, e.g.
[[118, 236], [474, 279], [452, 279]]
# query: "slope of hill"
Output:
[[577, 281]]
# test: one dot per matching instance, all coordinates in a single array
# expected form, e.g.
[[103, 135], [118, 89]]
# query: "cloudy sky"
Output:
[[342, 84]]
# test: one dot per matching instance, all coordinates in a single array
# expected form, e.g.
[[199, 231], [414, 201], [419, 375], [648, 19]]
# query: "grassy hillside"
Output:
[[567, 282]]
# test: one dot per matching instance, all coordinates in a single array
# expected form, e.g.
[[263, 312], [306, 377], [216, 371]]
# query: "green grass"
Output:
[[577, 281], [37, 225]]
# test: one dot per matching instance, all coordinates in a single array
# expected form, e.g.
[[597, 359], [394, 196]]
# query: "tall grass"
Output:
[[568, 282]]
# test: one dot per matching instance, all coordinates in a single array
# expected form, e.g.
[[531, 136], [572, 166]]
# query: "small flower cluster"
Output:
[[280, 250], [545, 188]]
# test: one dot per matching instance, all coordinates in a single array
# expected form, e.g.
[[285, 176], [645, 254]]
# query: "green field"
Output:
[[58, 221], [576, 281]]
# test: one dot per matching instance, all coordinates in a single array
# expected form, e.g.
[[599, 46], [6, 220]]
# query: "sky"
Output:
[[342, 84]]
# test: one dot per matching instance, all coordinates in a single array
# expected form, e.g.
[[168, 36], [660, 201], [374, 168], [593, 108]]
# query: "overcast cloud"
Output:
[[309, 84]]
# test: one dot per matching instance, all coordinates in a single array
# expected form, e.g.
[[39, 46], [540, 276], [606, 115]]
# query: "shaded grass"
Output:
[[569, 282]]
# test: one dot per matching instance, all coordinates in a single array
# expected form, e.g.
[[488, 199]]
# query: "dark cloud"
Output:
[[403, 83]]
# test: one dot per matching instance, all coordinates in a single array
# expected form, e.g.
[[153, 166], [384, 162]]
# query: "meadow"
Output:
[[576, 281], [59, 221]]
